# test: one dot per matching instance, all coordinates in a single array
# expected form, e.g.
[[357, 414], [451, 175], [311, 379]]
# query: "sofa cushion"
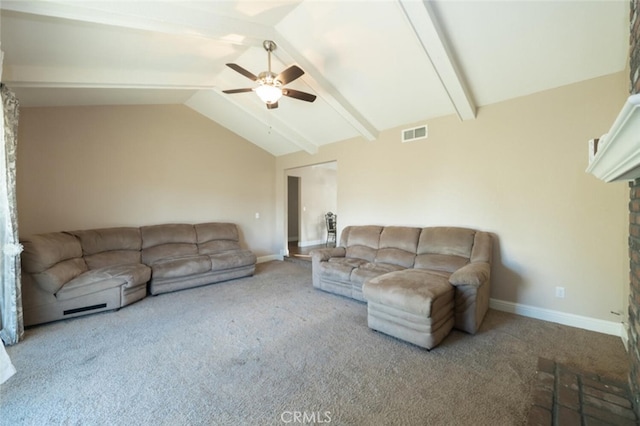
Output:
[[352, 262], [218, 246], [110, 246], [396, 256], [371, 270], [133, 274], [446, 240], [232, 259], [43, 251], [367, 235], [339, 269], [361, 252], [52, 279], [400, 237], [154, 254], [167, 242], [440, 262], [88, 283], [156, 235], [410, 290], [108, 239], [363, 242], [206, 232], [113, 258], [181, 266]]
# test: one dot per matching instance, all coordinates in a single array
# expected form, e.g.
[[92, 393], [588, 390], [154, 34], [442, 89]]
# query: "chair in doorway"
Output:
[[331, 221]]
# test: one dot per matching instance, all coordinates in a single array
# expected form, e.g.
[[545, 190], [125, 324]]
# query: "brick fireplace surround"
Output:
[[634, 223]]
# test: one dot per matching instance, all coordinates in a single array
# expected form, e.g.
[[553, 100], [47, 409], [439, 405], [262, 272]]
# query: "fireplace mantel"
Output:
[[618, 154]]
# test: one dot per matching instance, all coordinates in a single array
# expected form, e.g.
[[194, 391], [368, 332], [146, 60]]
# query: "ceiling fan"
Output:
[[271, 86]]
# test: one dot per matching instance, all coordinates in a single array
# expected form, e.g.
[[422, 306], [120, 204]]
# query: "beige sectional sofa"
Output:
[[68, 274], [418, 283]]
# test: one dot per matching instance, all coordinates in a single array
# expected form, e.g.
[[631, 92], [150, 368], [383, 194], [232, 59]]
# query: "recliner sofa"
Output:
[[183, 256], [418, 283], [68, 274]]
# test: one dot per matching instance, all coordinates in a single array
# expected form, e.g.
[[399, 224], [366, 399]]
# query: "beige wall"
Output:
[[89, 167], [517, 171]]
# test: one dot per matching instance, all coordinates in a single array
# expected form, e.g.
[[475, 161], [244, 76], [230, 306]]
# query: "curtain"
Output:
[[12, 326]]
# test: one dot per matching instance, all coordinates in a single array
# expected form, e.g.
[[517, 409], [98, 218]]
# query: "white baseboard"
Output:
[[572, 320], [269, 258]]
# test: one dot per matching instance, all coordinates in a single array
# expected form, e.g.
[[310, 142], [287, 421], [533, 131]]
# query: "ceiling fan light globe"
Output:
[[269, 94]]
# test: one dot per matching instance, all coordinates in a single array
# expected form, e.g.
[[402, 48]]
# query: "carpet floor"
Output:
[[272, 350]]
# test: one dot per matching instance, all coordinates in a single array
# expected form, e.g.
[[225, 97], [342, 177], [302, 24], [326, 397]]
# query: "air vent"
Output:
[[410, 135]]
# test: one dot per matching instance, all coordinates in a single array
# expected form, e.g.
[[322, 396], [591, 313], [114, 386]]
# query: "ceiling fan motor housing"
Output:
[[267, 77]]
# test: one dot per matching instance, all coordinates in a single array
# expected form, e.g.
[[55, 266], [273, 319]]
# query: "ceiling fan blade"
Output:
[[290, 74], [237, 91], [296, 94], [272, 106], [242, 71]]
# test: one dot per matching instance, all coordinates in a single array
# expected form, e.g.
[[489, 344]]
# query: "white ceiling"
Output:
[[373, 65]]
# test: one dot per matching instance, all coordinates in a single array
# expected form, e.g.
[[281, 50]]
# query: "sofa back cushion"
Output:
[[53, 259], [215, 238], [444, 248], [398, 245], [110, 246], [361, 242], [170, 240]]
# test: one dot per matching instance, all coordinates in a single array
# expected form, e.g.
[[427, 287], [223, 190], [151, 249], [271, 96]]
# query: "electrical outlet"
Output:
[[560, 292], [257, 215]]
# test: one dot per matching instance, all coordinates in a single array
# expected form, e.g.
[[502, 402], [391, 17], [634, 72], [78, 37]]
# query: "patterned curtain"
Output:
[[12, 329]]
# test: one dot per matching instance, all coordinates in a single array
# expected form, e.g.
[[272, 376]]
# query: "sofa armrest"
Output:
[[473, 274], [322, 255]]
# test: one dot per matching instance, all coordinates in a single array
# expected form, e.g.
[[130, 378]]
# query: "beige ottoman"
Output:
[[413, 305]]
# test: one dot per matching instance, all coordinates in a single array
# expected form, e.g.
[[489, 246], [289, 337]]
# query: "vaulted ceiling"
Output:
[[373, 65]]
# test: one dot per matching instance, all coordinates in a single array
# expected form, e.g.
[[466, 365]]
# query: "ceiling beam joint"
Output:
[[433, 41], [323, 87]]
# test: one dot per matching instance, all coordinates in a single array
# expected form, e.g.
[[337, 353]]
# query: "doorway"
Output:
[[312, 192], [293, 208]]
